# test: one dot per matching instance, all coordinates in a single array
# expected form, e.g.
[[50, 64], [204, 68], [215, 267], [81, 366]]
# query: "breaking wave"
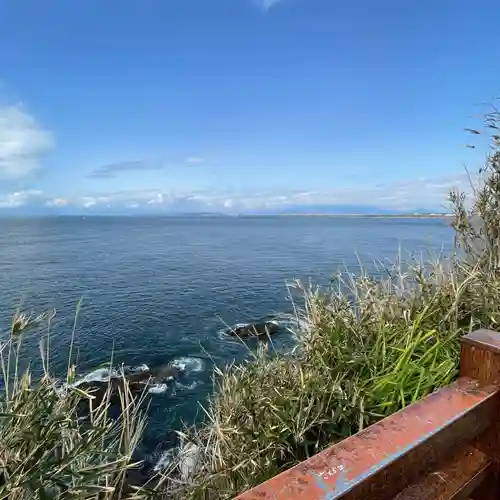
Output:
[[166, 460], [103, 375], [158, 389], [188, 365], [188, 387], [185, 366], [293, 324], [287, 322]]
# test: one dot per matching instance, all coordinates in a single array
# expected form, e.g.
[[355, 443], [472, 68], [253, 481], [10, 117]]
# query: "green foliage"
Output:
[[59, 442], [478, 226], [371, 348]]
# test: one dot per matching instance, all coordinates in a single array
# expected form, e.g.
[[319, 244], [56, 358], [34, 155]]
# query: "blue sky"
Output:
[[239, 105]]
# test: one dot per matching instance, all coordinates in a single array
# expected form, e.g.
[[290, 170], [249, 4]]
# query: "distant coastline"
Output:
[[371, 216], [220, 214]]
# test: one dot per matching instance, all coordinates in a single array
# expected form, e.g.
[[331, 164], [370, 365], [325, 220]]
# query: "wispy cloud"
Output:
[[114, 169], [23, 142]]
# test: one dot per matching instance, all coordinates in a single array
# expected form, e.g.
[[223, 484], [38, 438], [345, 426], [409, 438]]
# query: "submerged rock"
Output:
[[140, 380], [259, 329], [107, 384], [167, 372]]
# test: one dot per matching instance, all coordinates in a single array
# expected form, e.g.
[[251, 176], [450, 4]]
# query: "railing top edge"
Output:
[[333, 472], [486, 339]]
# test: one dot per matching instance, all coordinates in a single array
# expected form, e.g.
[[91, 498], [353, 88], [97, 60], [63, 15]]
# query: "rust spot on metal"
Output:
[[486, 339], [382, 460], [457, 477]]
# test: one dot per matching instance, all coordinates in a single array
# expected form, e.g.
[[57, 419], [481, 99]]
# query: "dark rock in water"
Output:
[[99, 390], [259, 329], [165, 373], [139, 381], [107, 383]]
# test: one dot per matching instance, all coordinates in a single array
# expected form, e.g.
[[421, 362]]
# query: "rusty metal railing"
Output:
[[444, 447]]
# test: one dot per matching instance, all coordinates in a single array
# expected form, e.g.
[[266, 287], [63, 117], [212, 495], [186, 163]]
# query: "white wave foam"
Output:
[[240, 325], [140, 369], [158, 389], [189, 365], [292, 323], [103, 375], [99, 375], [223, 333], [188, 387], [189, 458], [166, 460], [186, 458]]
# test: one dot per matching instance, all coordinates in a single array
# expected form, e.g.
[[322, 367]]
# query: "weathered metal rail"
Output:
[[444, 447]]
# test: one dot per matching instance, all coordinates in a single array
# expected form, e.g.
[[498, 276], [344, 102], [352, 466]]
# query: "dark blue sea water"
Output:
[[158, 290]]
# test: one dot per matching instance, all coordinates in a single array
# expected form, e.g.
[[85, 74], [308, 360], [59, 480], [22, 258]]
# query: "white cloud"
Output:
[[88, 202], [23, 142], [20, 198], [410, 195], [157, 200], [57, 202]]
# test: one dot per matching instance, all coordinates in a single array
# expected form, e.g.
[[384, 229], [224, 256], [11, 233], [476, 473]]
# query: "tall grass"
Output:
[[372, 347], [58, 442]]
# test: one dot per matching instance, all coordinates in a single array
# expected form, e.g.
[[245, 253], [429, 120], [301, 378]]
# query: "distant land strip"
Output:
[[373, 216]]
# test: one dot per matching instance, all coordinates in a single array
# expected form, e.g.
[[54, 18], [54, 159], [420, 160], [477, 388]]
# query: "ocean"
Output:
[[158, 291]]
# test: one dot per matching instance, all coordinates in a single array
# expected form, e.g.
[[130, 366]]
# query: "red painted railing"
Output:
[[443, 447]]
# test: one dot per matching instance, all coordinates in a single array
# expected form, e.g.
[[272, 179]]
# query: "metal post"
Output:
[[480, 360]]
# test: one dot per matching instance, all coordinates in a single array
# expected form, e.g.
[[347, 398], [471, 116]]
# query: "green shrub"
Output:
[[371, 348], [58, 442]]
